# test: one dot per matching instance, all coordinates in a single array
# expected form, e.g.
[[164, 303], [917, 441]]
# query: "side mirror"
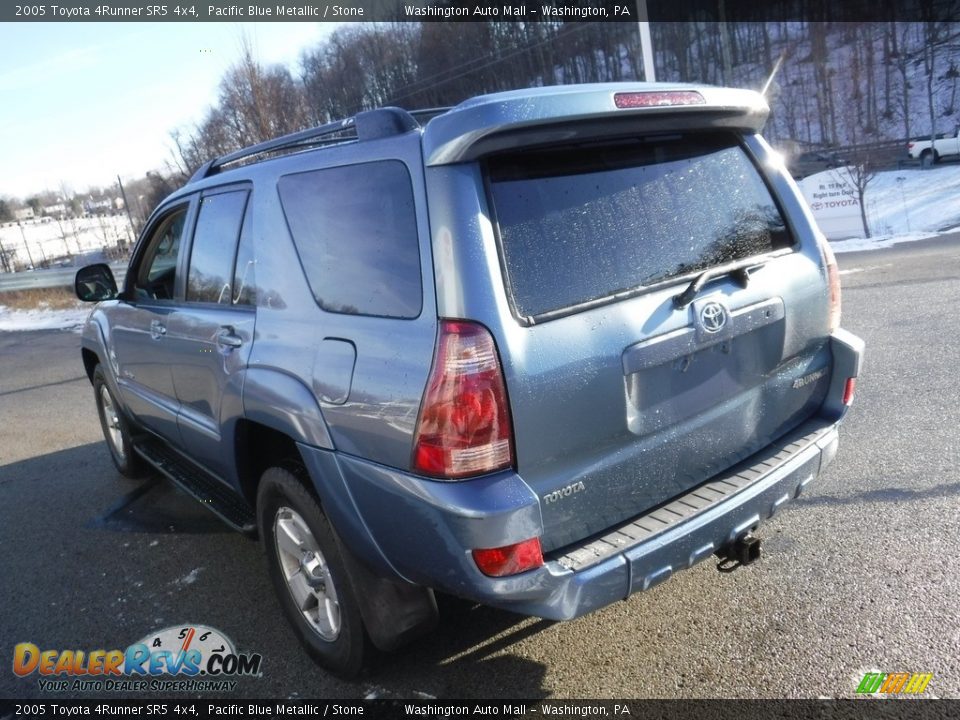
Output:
[[94, 283]]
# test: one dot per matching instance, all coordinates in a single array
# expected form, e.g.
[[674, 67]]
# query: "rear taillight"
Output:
[[659, 98], [910, 146], [833, 281], [511, 559], [464, 426], [848, 390]]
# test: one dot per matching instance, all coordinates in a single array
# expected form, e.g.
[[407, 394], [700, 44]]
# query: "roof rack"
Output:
[[430, 113], [368, 125]]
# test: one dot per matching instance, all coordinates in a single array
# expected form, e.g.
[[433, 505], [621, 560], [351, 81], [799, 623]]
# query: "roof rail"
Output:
[[383, 122], [430, 113], [369, 125]]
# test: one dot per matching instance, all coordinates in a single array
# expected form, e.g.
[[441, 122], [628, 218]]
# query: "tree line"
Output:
[[838, 83]]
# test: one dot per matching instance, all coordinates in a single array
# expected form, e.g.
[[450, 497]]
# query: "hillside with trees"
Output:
[[837, 83]]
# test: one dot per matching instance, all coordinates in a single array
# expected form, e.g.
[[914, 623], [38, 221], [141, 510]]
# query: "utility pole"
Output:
[[725, 45], [646, 45], [26, 245], [126, 206]]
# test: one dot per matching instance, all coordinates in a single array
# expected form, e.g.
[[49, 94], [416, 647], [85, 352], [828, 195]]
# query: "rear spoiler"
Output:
[[568, 113]]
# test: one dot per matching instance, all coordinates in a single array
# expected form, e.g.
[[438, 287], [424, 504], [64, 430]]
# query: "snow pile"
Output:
[[901, 202], [42, 318]]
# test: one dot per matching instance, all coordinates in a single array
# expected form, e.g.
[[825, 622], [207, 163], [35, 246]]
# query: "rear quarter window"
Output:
[[581, 224], [355, 230]]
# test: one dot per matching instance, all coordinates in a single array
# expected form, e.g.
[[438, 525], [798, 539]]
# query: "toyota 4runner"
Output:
[[541, 351]]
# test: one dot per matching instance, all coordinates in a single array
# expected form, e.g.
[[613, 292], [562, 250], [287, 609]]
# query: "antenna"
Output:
[[773, 73]]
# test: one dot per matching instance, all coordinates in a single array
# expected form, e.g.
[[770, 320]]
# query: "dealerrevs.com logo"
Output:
[[894, 683], [182, 658]]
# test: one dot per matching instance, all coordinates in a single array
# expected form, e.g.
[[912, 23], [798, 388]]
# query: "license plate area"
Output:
[[659, 396]]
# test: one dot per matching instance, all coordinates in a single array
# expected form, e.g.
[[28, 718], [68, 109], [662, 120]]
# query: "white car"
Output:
[[944, 146]]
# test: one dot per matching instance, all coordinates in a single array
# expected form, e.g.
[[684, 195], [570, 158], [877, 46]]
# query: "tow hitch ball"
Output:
[[742, 551]]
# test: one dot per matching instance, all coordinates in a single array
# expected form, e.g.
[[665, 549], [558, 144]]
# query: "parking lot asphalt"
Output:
[[861, 574]]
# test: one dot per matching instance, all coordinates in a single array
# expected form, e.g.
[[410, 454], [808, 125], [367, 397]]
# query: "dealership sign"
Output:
[[833, 200]]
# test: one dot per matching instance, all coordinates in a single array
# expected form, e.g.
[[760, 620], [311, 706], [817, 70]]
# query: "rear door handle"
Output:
[[228, 338], [157, 329]]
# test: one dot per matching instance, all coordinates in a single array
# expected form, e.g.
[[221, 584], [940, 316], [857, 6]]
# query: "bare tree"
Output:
[[433, 64], [938, 40], [255, 103], [8, 258], [862, 165], [860, 171]]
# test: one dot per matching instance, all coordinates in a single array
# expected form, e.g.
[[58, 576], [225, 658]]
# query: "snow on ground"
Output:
[[902, 206], [902, 202], [42, 318], [876, 243], [52, 238]]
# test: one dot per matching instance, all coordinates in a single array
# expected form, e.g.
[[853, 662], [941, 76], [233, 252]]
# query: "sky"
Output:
[[81, 103]]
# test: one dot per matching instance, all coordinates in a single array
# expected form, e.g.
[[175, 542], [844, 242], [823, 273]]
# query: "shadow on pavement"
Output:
[[44, 385], [894, 495], [143, 554], [470, 652]]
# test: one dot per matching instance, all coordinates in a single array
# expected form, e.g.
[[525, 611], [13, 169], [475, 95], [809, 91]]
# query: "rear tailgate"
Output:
[[589, 225], [621, 400]]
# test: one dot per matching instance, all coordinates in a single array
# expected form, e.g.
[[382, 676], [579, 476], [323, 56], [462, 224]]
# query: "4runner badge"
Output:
[[563, 492], [807, 379]]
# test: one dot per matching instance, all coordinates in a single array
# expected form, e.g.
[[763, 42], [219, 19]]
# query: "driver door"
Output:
[[142, 353]]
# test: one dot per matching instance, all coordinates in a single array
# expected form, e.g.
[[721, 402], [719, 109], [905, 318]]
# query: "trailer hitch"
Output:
[[742, 551]]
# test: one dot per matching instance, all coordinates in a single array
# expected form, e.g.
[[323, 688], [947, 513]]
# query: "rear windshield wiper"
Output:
[[737, 269]]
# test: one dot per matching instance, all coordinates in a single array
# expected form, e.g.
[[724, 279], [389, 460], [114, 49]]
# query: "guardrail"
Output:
[[54, 277]]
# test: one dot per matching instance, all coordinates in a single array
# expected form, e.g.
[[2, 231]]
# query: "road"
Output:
[[861, 574]]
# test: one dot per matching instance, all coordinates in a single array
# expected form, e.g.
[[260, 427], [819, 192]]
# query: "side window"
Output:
[[157, 274], [244, 275], [355, 230], [214, 247]]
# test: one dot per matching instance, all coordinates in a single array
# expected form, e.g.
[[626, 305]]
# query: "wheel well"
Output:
[[90, 361], [259, 447]]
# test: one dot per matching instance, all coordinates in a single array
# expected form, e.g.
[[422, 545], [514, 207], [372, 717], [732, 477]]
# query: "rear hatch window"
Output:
[[584, 225]]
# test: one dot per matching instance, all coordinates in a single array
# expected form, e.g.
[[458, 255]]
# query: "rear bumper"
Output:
[[649, 550], [422, 531]]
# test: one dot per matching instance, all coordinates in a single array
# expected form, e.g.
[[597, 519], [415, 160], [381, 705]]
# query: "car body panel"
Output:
[[144, 361], [423, 534], [392, 357], [206, 375], [554, 114]]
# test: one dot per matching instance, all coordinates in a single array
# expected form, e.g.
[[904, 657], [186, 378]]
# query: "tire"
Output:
[[927, 159], [116, 429], [299, 543]]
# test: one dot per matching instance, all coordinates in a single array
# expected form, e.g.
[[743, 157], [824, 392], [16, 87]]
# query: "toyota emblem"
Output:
[[713, 316]]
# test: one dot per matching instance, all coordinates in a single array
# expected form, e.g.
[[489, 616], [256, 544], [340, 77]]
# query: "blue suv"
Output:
[[541, 350]]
